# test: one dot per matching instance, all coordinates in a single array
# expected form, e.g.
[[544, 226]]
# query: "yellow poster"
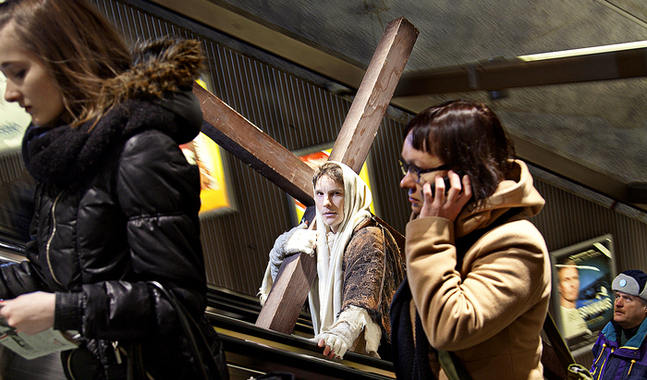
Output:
[[205, 153]]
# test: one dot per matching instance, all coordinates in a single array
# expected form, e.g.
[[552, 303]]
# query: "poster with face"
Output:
[[582, 299]]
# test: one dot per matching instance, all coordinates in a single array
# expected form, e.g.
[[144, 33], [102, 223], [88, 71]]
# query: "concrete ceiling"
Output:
[[592, 132]]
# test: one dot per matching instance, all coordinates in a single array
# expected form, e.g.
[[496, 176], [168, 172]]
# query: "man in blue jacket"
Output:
[[620, 349]]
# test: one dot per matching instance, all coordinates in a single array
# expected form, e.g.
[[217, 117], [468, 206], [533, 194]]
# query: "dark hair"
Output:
[[639, 276], [80, 48], [467, 136], [331, 170]]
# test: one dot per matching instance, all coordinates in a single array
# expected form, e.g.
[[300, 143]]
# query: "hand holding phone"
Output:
[[447, 184], [447, 206]]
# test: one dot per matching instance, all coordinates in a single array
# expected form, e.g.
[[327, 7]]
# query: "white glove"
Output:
[[338, 339], [342, 334], [279, 253], [301, 241]]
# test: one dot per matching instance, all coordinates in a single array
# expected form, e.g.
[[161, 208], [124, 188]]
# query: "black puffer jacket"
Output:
[[116, 207]]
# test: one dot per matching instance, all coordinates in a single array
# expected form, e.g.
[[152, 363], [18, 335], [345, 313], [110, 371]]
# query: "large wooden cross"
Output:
[[251, 145]]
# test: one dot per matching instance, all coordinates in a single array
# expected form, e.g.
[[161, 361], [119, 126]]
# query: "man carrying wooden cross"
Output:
[[358, 263], [232, 132], [359, 266]]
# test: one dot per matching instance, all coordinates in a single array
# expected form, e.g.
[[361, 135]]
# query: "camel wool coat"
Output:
[[487, 305]]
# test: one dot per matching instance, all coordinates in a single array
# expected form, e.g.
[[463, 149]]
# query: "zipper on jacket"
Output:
[[601, 352], [633, 361], [51, 237], [120, 350], [605, 360], [115, 347]]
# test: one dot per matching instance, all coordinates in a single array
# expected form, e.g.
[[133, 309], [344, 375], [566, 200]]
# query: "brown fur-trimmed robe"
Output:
[[373, 270]]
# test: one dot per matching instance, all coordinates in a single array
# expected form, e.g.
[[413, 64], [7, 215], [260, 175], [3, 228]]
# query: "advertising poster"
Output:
[[206, 154], [582, 299]]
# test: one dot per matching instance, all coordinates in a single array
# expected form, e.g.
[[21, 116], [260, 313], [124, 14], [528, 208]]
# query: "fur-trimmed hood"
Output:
[[159, 67], [155, 94]]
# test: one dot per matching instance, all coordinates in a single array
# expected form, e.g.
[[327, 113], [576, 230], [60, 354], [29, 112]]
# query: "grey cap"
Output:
[[631, 282]]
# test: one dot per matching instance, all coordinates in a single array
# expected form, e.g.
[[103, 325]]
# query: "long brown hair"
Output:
[[467, 136], [79, 46]]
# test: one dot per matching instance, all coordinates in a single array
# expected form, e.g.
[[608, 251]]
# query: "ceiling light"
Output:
[[584, 51]]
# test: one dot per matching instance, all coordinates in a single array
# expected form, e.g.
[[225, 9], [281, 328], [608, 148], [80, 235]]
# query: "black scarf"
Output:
[[63, 155], [410, 359]]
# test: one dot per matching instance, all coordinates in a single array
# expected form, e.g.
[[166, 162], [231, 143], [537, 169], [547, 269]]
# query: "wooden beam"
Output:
[[293, 281], [254, 147], [374, 94], [615, 62]]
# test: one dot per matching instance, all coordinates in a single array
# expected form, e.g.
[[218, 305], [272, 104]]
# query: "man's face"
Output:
[[329, 198], [569, 283], [628, 311]]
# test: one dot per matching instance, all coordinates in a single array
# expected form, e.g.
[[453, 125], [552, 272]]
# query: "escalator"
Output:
[[250, 350]]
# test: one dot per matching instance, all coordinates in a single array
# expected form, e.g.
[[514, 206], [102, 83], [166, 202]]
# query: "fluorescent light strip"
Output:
[[584, 51]]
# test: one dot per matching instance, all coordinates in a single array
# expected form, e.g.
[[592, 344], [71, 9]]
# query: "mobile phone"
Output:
[[447, 184]]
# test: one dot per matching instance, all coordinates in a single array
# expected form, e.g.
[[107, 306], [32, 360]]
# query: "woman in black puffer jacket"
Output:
[[117, 203]]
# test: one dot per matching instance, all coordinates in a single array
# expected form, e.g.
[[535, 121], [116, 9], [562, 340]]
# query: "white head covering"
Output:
[[325, 296]]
